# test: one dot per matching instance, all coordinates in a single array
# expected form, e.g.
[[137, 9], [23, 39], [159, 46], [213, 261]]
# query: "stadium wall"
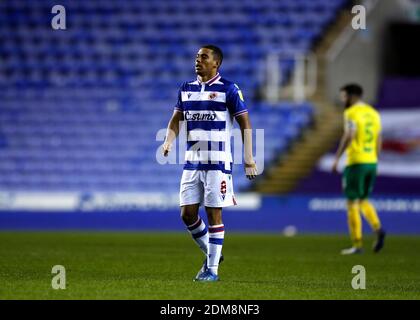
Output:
[[159, 212]]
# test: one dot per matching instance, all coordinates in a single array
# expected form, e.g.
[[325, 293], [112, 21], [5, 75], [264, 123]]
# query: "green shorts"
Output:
[[358, 181]]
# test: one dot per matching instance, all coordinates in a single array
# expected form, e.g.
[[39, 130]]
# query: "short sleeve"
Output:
[[235, 101], [179, 107], [349, 122]]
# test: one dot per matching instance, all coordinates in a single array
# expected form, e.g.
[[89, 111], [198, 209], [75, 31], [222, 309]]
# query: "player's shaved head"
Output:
[[208, 61], [217, 52], [350, 94], [353, 89]]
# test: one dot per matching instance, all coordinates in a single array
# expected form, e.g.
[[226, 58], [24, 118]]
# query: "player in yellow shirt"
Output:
[[362, 142]]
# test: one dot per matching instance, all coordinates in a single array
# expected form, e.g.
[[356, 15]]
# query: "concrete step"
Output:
[[285, 175]]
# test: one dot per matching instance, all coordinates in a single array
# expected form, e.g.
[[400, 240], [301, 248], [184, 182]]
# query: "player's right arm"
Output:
[[348, 135], [172, 131]]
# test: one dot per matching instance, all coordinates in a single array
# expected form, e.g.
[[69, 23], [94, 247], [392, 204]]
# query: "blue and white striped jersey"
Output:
[[209, 109]]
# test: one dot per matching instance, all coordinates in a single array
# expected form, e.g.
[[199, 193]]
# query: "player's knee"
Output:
[[352, 203], [188, 216], [364, 201]]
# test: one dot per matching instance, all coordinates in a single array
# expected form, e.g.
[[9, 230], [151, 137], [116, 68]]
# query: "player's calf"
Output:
[[199, 233]]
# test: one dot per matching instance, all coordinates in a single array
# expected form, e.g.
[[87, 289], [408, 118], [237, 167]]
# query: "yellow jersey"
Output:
[[366, 123]]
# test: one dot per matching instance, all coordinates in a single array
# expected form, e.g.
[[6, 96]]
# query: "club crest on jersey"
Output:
[[212, 95]]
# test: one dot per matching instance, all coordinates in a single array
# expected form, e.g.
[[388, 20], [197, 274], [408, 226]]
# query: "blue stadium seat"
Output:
[[80, 109]]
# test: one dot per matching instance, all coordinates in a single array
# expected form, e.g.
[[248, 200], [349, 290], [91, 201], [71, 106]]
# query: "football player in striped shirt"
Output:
[[208, 106]]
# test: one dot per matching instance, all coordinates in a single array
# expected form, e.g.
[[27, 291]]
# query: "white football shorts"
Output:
[[211, 188]]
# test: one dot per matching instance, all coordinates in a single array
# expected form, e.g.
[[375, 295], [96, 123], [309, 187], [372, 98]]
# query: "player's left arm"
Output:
[[246, 131], [346, 138], [237, 108]]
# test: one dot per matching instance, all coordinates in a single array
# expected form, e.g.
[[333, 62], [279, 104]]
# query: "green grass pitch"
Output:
[[162, 265]]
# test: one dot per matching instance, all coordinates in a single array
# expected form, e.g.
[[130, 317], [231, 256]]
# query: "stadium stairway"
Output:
[[291, 168]]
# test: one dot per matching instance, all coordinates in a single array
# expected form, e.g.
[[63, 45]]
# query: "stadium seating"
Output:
[[80, 108]]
